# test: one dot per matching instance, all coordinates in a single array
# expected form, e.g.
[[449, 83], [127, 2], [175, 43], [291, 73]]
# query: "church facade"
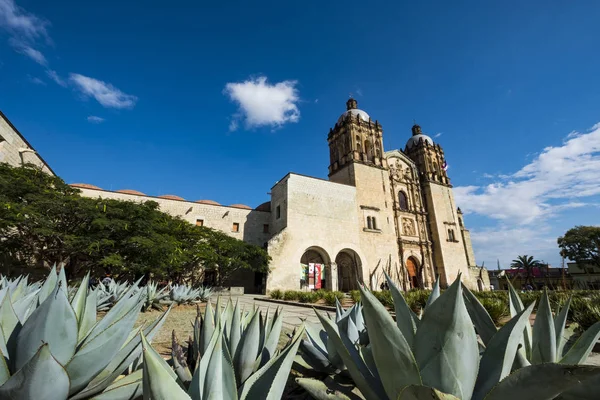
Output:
[[378, 211]]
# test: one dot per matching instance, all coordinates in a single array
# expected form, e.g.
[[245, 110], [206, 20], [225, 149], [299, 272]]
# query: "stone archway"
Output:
[[317, 255], [349, 270], [412, 267]]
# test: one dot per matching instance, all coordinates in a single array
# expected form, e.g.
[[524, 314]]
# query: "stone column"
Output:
[[332, 277]]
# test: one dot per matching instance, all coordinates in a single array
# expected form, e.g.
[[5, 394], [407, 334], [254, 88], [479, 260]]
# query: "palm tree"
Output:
[[526, 263]]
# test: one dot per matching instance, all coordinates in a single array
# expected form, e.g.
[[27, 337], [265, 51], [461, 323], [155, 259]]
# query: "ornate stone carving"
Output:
[[408, 226]]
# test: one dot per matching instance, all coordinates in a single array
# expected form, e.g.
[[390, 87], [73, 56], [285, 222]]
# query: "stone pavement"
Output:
[[292, 315]]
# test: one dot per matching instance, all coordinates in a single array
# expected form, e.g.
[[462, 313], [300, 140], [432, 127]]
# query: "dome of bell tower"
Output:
[[352, 109], [417, 135]]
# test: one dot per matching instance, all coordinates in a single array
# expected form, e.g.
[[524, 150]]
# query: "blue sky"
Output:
[[219, 101]]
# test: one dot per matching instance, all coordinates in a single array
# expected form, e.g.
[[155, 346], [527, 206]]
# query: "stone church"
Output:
[[378, 210]]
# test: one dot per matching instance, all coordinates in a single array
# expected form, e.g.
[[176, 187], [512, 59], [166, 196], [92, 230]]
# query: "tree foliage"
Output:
[[44, 221], [526, 263], [581, 244]]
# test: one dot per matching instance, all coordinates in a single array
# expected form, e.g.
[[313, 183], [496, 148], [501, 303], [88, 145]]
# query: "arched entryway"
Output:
[[315, 255], [412, 267], [349, 270]]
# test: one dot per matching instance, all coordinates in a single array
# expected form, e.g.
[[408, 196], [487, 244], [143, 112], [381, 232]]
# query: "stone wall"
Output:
[[15, 150]]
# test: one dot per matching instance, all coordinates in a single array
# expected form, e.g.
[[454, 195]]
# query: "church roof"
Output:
[[130, 191], [171, 197], [414, 140], [211, 202], [266, 206], [85, 186], [241, 206]]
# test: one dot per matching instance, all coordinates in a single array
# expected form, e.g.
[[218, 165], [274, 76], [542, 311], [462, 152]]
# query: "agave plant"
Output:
[[438, 355], [108, 295], [233, 356], [51, 348], [547, 341], [184, 294], [318, 352], [204, 293], [155, 298]]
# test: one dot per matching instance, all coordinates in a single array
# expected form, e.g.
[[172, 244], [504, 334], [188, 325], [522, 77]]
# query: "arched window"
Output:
[[374, 221], [451, 235], [369, 223], [358, 147], [368, 149], [402, 200]]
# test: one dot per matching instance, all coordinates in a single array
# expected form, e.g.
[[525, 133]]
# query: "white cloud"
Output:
[[36, 80], [95, 120], [105, 93], [56, 78], [25, 49], [20, 23], [522, 204], [437, 135], [264, 104]]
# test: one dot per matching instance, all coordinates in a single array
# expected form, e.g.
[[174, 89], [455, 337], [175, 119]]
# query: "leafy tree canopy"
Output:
[[581, 244], [44, 221]]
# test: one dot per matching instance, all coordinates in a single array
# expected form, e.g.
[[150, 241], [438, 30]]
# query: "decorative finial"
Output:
[[416, 129], [351, 104]]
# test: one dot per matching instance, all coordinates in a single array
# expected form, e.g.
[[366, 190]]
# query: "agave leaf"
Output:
[[435, 293], [218, 312], [446, 345], [394, 359], [586, 390], [25, 306], [358, 370], [228, 316], [4, 371], [559, 327], [79, 300], [406, 320], [499, 355], [208, 328], [581, 349], [9, 324], [415, 392], [272, 340], [248, 350], [178, 359], [196, 387], [53, 322], [129, 387], [543, 347], [236, 328], [3, 348], [62, 279], [96, 352], [313, 357], [269, 381], [88, 319], [516, 306], [158, 379], [484, 325], [220, 381], [42, 377], [48, 286], [319, 390], [541, 381], [126, 303]]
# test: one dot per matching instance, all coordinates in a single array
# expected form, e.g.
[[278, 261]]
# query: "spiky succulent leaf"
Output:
[[543, 347], [392, 354], [320, 390], [582, 348], [560, 321], [196, 388], [499, 354], [484, 325], [516, 306], [446, 341], [178, 360], [406, 320], [269, 381], [208, 328], [541, 381], [48, 286], [159, 380], [53, 322], [42, 377], [369, 386], [435, 293], [248, 349], [9, 324], [4, 371], [220, 383], [235, 334], [88, 319], [79, 300], [129, 387]]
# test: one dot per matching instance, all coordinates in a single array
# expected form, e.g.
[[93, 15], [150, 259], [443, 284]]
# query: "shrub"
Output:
[[385, 297], [586, 310], [320, 293], [417, 299], [276, 294], [497, 308], [330, 297], [308, 297], [291, 295], [355, 295]]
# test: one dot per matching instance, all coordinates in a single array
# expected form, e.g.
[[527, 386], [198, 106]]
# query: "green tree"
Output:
[[44, 221], [581, 244], [526, 263]]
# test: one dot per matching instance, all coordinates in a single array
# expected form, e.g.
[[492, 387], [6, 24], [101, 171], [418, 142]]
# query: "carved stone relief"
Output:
[[408, 226]]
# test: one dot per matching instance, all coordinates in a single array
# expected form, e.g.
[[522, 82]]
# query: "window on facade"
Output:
[[278, 212], [369, 223], [402, 200], [199, 222], [266, 228], [451, 235], [235, 227], [374, 222]]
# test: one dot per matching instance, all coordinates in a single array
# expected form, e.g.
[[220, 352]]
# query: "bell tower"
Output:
[[355, 139], [450, 252]]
